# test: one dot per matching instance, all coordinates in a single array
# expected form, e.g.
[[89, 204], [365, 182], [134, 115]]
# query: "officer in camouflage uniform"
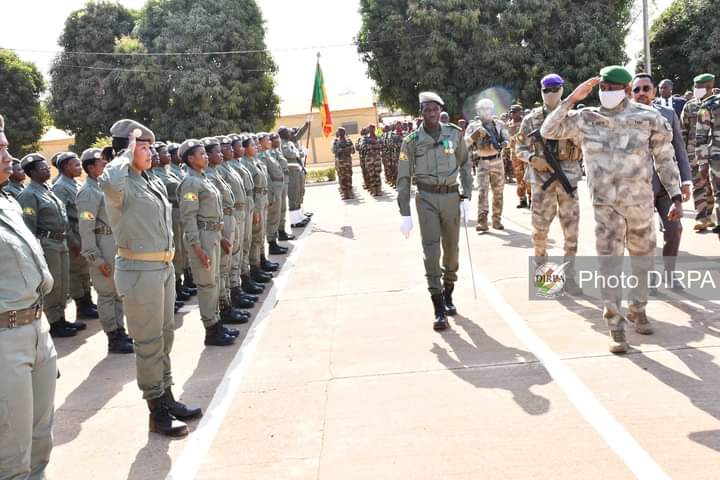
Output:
[[343, 150], [707, 138], [518, 166], [14, 185], [489, 136], [620, 142], [702, 190], [373, 160], [360, 147], [66, 188], [99, 249], [554, 200], [435, 154]]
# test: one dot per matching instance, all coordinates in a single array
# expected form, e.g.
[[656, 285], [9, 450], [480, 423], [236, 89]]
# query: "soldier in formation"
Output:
[[343, 149]]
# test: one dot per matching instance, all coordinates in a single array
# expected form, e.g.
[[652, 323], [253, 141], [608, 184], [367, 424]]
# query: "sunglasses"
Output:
[[551, 89], [644, 88]]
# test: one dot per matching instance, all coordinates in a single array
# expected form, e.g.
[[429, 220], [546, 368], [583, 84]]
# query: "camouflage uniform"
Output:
[[362, 153], [396, 140], [707, 143], [490, 169], [555, 200], [343, 150], [702, 191], [618, 147], [518, 166], [373, 161]]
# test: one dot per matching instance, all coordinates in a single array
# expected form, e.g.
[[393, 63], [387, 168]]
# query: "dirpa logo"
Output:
[[550, 279]]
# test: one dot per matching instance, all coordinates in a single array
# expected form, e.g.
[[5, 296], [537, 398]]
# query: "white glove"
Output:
[[465, 209], [405, 226]]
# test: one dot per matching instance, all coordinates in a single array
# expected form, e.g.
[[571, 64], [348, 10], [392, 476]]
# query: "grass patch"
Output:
[[319, 175]]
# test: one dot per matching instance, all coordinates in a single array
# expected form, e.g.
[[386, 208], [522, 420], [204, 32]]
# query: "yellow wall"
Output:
[[319, 148]]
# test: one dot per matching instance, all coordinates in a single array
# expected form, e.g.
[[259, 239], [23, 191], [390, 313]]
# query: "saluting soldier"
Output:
[[45, 216], [14, 185], [66, 189], [201, 211], [435, 154], [28, 362], [99, 250], [141, 221]]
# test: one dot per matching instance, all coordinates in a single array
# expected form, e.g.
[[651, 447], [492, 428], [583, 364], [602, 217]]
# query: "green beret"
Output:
[[187, 145], [616, 74], [90, 154], [29, 159], [210, 141], [705, 77], [125, 128]]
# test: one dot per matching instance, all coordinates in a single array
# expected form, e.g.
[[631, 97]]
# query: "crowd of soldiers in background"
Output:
[[69, 219]]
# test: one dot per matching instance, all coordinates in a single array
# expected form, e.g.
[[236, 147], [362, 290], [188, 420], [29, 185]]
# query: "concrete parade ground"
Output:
[[340, 375]]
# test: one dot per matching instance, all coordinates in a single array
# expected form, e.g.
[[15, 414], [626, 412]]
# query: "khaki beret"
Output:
[[616, 74], [31, 158], [90, 154], [126, 128], [425, 97], [705, 77], [188, 144], [62, 158]]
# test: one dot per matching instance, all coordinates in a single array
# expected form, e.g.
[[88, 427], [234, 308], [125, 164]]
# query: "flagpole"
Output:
[[307, 142]]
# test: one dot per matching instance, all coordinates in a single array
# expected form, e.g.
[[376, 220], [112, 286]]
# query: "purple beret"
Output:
[[552, 80]]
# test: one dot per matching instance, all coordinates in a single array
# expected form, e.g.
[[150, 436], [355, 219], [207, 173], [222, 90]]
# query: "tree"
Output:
[[684, 40], [20, 89], [462, 47], [84, 95]]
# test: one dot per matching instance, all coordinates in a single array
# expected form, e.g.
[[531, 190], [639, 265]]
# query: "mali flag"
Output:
[[320, 101]]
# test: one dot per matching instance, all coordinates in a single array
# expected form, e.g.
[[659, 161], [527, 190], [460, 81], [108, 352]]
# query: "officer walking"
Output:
[[343, 150], [66, 189], [435, 154], [28, 362], [45, 216], [707, 138], [99, 250], [618, 139], [144, 274]]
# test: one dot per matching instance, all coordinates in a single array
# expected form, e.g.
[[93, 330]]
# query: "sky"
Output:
[[294, 36]]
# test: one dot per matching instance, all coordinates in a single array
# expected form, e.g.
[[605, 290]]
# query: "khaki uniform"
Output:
[[296, 179], [707, 142], [490, 169], [702, 191], [14, 189], [27, 355], [436, 164], [242, 264], [235, 181], [45, 216], [260, 180], [276, 180], [66, 189], [201, 211], [546, 204], [518, 166], [171, 181], [619, 146], [228, 232], [98, 248], [343, 151], [141, 220], [277, 153]]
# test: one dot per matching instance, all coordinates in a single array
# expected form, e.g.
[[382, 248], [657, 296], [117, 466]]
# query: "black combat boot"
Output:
[[447, 297], [117, 342], [77, 324], [215, 336], [88, 298], [85, 309], [441, 322], [283, 236], [180, 293], [188, 282], [268, 266], [523, 203], [231, 315], [180, 410], [248, 286], [257, 275], [276, 249], [247, 296], [239, 300], [59, 329], [162, 421]]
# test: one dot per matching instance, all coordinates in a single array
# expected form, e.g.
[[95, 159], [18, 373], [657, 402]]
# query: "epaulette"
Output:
[[411, 137]]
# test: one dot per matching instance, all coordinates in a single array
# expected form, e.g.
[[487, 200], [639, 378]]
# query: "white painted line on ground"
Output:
[[618, 439], [193, 455]]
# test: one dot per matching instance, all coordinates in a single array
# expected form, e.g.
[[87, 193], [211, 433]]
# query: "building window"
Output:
[[351, 128]]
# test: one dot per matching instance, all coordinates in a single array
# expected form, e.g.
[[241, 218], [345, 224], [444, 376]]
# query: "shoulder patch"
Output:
[[29, 211], [87, 216], [190, 196], [412, 136], [403, 157]]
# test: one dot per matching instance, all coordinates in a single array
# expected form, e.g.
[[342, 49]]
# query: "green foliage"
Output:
[[178, 96], [318, 175], [21, 84], [684, 42], [462, 47], [102, 142]]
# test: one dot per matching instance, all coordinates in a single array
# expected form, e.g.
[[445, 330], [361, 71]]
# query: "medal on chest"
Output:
[[448, 147]]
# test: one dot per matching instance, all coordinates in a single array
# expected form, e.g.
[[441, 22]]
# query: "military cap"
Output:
[[234, 138], [126, 127], [53, 159], [616, 74], [210, 141], [173, 147], [189, 144], [29, 159], [516, 108], [275, 136], [159, 145], [90, 154], [223, 139], [705, 77], [552, 80], [425, 97], [62, 158], [262, 135]]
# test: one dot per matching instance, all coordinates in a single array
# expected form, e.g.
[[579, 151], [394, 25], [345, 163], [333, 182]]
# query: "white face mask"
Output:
[[552, 99], [699, 92], [612, 99]]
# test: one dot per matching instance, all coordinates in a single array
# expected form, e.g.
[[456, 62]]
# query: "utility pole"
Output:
[[646, 37]]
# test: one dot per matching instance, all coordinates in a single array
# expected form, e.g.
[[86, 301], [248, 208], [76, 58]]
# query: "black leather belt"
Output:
[[490, 157], [59, 236], [211, 226], [18, 318], [423, 187], [103, 230]]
